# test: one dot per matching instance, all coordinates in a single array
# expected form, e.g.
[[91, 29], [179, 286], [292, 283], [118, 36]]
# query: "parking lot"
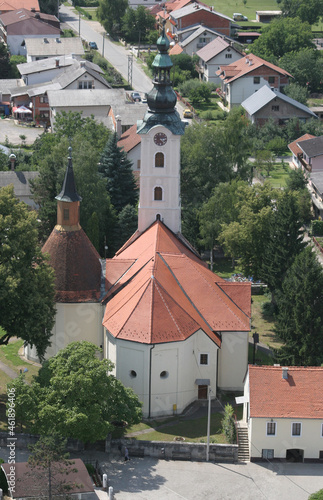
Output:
[[10, 129]]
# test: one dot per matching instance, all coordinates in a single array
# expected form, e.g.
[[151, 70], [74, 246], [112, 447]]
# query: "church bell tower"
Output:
[[160, 132]]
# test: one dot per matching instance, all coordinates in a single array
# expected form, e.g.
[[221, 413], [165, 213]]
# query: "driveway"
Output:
[[10, 129]]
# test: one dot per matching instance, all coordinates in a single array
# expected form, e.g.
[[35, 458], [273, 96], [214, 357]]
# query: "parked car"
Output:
[[136, 96], [239, 17], [93, 45], [187, 113]]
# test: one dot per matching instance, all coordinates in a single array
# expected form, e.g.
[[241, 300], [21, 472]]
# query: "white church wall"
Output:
[[164, 375], [233, 360], [73, 322]]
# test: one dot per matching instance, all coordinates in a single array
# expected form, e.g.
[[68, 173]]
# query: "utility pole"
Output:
[[79, 23], [208, 425], [255, 337], [130, 63], [103, 44]]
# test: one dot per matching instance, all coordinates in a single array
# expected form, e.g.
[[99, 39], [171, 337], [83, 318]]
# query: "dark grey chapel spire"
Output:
[[68, 192]]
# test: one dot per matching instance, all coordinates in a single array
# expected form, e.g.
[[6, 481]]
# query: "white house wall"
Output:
[[43, 76], [233, 361], [180, 361], [73, 322], [134, 156], [213, 65], [242, 88], [87, 111], [311, 440], [14, 43]]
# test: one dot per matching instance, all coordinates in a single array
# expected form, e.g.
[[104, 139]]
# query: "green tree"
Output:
[[282, 36], [127, 224], [306, 67], [93, 230], [228, 425], [50, 158], [137, 24], [284, 242], [297, 92], [299, 321], [75, 396], [4, 61], [49, 6], [218, 210], [264, 159], [110, 13], [308, 11], [296, 180], [49, 466], [316, 496], [116, 169], [26, 279]]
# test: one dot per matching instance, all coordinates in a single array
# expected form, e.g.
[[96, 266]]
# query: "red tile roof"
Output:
[[76, 264], [9, 5], [293, 145], [168, 293], [129, 139], [242, 67], [176, 49], [299, 396], [26, 485]]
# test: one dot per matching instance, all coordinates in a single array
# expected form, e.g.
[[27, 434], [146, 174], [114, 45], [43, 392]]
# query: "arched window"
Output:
[[158, 193], [159, 160]]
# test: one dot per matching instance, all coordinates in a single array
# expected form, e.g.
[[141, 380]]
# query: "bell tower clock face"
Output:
[[160, 139]]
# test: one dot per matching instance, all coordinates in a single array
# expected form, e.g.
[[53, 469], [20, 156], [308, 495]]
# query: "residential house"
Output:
[[31, 483], [197, 13], [10, 5], [5, 94], [308, 155], [19, 25], [46, 70], [283, 407], [78, 76], [53, 47], [214, 55], [271, 104], [21, 184], [194, 38], [173, 329], [162, 13], [242, 78], [96, 102]]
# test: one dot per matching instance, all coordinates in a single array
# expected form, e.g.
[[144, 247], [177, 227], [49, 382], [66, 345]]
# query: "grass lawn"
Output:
[[9, 356], [223, 267], [261, 324], [194, 430], [278, 175], [92, 11], [228, 7]]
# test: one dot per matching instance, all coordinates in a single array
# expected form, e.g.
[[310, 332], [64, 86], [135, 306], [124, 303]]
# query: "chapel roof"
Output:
[[298, 396], [161, 291]]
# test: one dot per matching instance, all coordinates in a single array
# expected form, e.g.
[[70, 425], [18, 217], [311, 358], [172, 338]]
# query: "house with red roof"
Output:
[[283, 408], [10, 5], [242, 78], [198, 13]]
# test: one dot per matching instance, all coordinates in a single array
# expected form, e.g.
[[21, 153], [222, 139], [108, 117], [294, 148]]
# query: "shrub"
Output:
[[228, 425], [90, 468], [317, 227], [316, 496]]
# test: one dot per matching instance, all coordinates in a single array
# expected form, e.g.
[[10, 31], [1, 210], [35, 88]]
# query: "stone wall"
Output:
[[22, 441], [174, 450]]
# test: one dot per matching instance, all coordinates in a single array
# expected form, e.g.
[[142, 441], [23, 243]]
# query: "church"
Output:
[[173, 329]]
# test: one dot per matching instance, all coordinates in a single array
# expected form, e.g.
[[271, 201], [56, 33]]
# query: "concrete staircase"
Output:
[[243, 441]]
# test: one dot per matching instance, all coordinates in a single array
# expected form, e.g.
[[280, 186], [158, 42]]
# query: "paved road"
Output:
[[116, 55], [150, 479], [10, 129]]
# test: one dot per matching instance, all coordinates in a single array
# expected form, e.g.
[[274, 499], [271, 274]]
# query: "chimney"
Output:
[[285, 372], [57, 63], [118, 120], [12, 159], [247, 60]]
